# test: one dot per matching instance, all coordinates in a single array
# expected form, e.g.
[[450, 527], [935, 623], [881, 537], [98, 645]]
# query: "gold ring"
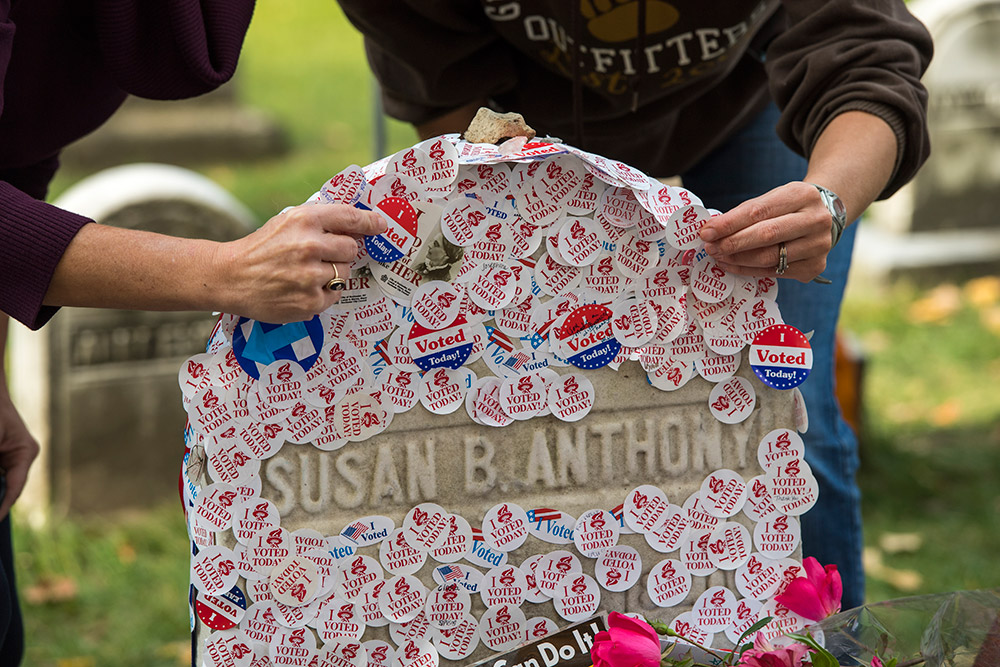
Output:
[[336, 283], [782, 259]]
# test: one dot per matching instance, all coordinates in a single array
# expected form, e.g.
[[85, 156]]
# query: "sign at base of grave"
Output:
[[570, 647]]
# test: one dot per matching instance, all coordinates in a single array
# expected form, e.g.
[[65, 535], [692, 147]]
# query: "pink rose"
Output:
[[815, 596], [789, 656], [628, 642]]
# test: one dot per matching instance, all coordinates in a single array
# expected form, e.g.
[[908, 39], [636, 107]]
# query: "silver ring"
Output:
[[782, 259], [336, 283]]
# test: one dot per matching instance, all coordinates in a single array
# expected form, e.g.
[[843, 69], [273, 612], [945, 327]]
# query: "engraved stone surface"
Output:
[[635, 435]]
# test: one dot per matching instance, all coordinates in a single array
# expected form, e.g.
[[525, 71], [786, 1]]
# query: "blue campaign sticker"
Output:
[[257, 344], [781, 356], [401, 234], [586, 337], [441, 348]]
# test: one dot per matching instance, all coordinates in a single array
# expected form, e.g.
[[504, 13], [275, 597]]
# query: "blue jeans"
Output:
[[748, 165]]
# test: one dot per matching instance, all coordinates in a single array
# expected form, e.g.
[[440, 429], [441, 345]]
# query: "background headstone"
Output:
[[210, 128], [943, 224], [99, 387]]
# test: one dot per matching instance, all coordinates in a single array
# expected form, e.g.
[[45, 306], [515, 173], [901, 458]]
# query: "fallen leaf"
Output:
[[946, 413], [990, 317], [126, 553], [51, 589], [179, 651], [906, 581], [940, 304], [897, 543], [983, 292], [80, 661]]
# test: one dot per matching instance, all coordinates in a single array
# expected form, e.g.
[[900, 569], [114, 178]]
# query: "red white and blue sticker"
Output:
[[259, 344], [221, 612], [586, 338], [781, 356], [441, 348], [397, 240]]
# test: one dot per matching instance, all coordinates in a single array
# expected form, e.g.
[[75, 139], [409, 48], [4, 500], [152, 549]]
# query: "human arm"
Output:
[[847, 78], [17, 448], [854, 157], [275, 274]]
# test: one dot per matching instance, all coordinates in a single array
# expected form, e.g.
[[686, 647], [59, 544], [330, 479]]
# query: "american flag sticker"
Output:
[[355, 531], [543, 514], [449, 572], [501, 340]]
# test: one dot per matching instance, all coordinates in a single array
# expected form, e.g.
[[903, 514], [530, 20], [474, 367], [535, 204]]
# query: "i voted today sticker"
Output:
[[397, 240], [436, 348], [781, 356]]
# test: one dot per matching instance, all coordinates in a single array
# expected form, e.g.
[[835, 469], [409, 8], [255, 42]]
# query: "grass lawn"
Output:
[[100, 593]]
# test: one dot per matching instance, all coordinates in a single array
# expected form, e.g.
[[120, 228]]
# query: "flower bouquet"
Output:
[[952, 629]]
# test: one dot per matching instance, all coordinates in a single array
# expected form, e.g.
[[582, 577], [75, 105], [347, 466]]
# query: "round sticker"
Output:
[[443, 390], [595, 531], [294, 581], [778, 537], [402, 598], [668, 583], [221, 612], [380, 653], [435, 304], [694, 553], [504, 585], [758, 578], [714, 609], [729, 546], [398, 557], [683, 226], [434, 348], [644, 508], [781, 356], [634, 323], [710, 282], [571, 397], [669, 533], [463, 221], [684, 625], [553, 568], [447, 605], [231, 648], [397, 240], [793, 487], [502, 627], [580, 599], [779, 446], [723, 493], [458, 642], [213, 570], [528, 567], [258, 344], [358, 576], [342, 653], [523, 397], [458, 542], [505, 527], [733, 400], [339, 618], [426, 526], [580, 241], [618, 568]]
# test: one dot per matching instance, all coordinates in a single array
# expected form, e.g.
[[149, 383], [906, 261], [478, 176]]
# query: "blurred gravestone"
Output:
[[210, 128], [943, 225], [99, 387]]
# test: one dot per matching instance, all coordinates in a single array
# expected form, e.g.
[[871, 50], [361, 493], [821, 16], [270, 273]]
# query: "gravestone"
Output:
[[208, 129], [98, 387], [943, 224], [328, 480]]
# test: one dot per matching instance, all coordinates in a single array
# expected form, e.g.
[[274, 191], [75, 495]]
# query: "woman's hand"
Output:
[[279, 272], [748, 239]]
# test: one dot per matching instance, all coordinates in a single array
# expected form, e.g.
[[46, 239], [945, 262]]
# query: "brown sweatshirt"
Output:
[[664, 96]]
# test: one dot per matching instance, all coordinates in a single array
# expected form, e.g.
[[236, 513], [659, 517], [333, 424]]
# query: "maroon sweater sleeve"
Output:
[[162, 49]]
